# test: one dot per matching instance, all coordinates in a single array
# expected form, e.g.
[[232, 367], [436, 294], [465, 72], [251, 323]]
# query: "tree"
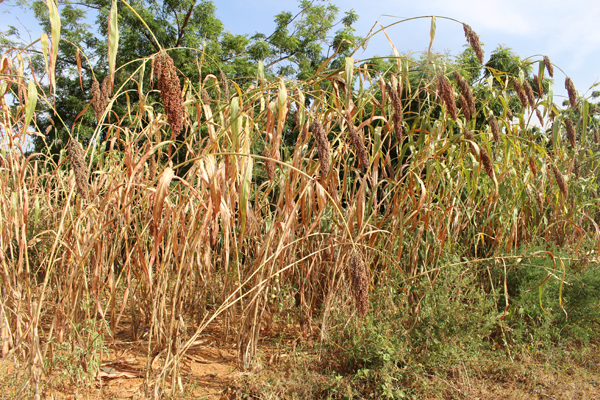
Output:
[[193, 36]]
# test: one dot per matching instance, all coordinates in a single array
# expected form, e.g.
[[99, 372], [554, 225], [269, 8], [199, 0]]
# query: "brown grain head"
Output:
[[77, 159], [571, 135], [224, 85], [466, 91], [398, 115], [464, 105], [152, 168], [97, 99], [529, 92], [360, 277], [596, 136], [269, 164], [487, 163], [571, 91], [560, 180], [520, 92], [358, 143], [540, 116], [494, 127], [444, 89], [105, 91], [170, 92], [296, 119], [549, 66], [322, 147], [533, 166], [205, 96], [473, 40]]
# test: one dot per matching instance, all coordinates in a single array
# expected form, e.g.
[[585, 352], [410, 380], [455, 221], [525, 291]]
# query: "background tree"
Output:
[[196, 40]]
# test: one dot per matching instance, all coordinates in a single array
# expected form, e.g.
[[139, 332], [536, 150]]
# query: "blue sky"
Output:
[[568, 32]]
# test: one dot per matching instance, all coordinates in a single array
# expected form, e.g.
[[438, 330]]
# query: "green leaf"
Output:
[[55, 31], [45, 46], [586, 112], [349, 74], [32, 98], [432, 32], [235, 127]]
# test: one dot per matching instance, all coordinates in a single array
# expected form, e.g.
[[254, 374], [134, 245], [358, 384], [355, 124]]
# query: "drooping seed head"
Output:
[[269, 164], [571, 91], [560, 180], [77, 160], [539, 115], [360, 277], [152, 168], [529, 92], [464, 105], [494, 127], [596, 136], [484, 157], [225, 85], [533, 166], [397, 106], [487, 163], [466, 91], [571, 132], [322, 147], [170, 92], [473, 40], [549, 66], [358, 143], [520, 92], [444, 89], [576, 166]]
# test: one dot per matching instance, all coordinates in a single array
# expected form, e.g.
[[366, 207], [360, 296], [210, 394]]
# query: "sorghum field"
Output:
[[398, 227]]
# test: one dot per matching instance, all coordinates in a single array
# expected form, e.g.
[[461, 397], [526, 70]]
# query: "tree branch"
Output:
[[187, 19]]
